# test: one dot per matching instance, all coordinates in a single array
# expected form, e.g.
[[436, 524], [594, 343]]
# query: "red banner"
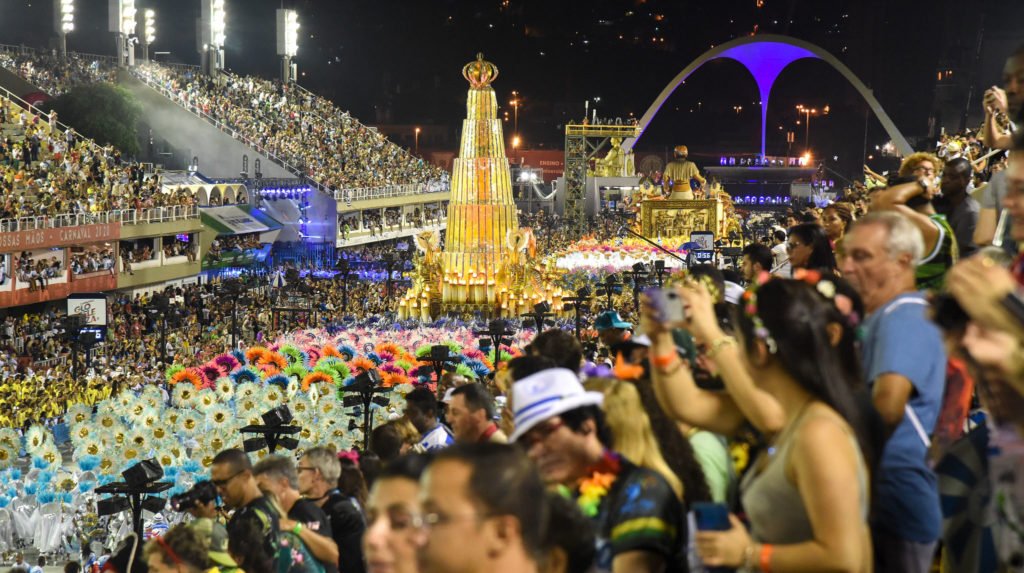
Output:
[[95, 282], [59, 237]]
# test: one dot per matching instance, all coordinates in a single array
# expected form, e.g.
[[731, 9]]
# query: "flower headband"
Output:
[[824, 287], [350, 455], [827, 289], [750, 310]]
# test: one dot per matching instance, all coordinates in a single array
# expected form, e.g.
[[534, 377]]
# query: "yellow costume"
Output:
[[678, 174]]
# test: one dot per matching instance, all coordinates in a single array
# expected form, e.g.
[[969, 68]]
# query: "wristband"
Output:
[[718, 344], [766, 558], [672, 370], [297, 529], [664, 361]]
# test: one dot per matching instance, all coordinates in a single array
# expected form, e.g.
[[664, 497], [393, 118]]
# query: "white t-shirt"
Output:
[[780, 261]]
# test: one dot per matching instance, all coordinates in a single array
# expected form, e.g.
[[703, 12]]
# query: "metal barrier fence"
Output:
[[365, 193], [122, 216]]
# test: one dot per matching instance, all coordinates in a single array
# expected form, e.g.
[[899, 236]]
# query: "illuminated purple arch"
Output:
[[765, 56]]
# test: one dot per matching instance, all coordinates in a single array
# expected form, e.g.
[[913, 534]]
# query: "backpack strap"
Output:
[[907, 408]]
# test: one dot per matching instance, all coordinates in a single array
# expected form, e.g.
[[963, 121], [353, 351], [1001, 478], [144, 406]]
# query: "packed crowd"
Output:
[[306, 131], [174, 246], [855, 381], [54, 75], [37, 272], [807, 410], [44, 172]]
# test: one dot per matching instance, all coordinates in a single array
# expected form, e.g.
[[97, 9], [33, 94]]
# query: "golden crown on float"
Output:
[[488, 262], [480, 73]]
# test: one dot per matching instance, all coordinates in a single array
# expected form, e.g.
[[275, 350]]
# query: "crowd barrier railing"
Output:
[[388, 191], [122, 216]]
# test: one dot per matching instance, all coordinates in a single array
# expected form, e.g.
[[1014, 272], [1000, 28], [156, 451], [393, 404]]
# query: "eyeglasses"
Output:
[[223, 482], [792, 246], [539, 433]]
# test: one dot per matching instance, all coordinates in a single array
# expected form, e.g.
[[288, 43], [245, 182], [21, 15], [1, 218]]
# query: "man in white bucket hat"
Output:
[[639, 521]]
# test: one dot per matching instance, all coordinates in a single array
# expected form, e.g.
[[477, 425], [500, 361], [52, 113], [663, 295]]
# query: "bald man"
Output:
[[678, 174]]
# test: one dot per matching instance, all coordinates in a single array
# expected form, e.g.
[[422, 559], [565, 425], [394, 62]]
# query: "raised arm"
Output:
[[895, 198], [678, 393]]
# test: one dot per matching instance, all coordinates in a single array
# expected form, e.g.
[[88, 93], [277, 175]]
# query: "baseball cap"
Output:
[[610, 319], [217, 536]]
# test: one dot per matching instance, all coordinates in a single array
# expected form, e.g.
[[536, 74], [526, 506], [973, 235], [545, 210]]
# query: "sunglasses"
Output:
[[225, 481]]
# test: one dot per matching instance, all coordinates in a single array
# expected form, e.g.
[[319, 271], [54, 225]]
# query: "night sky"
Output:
[[398, 62]]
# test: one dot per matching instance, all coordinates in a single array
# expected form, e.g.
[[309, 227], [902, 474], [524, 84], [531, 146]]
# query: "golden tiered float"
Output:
[[488, 264]]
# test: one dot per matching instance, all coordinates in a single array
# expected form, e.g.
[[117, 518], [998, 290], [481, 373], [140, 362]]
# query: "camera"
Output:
[[201, 493]]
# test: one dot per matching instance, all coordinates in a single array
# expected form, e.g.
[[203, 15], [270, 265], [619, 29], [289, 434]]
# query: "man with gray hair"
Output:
[[278, 479], [905, 365], [318, 473]]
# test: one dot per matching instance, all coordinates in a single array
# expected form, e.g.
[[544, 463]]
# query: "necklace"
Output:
[[592, 489]]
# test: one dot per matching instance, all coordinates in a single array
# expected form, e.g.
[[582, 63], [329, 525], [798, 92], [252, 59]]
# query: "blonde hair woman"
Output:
[[631, 428]]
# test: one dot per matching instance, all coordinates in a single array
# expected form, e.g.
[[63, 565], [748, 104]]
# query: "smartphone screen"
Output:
[[711, 516]]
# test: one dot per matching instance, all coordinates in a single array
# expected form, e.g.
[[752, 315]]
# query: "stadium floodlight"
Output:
[[217, 23], [122, 14], [64, 11], [212, 34], [63, 22], [150, 27], [128, 13], [287, 42], [287, 33]]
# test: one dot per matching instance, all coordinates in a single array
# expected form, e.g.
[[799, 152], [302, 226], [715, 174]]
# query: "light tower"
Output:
[[122, 22], [288, 43], [212, 27], [149, 33], [63, 22]]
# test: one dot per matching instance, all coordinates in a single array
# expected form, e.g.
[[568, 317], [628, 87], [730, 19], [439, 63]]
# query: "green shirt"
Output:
[[714, 459], [931, 271]]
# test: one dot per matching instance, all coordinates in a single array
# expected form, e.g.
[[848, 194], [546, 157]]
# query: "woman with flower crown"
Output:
[[806, 496]]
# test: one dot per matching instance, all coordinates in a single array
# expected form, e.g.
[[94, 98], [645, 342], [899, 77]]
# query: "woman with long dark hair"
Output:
[[809, 248], [807, 494], [835, 220]]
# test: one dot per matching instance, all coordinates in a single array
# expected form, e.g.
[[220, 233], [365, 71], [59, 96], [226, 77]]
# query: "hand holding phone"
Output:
[[668, 305], [711, 516]]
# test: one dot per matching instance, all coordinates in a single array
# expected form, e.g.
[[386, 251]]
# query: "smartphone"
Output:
[[668, 304], [711, 516]]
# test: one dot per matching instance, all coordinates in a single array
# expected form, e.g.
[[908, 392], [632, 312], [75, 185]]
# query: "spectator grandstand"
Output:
[[306, 132]]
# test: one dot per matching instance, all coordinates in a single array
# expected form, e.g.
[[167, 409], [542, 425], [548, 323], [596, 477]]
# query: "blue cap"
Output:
[[610, 319]]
